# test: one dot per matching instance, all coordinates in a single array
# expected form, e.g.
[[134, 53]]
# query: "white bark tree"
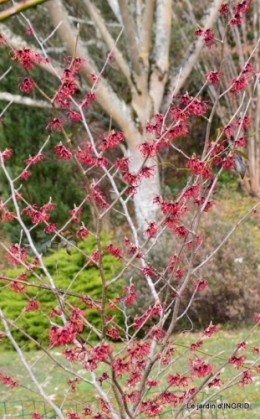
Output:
[[149, 73]]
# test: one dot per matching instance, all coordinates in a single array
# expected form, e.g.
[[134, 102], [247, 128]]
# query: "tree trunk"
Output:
[[145, 210]]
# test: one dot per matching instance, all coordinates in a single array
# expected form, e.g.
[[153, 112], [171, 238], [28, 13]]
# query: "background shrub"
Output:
[[63, 268]]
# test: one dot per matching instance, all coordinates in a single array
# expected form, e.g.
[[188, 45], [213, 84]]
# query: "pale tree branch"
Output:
[[106, 97], [114, 6], [19, 7], [108, 40], [24, 100], [192, 54], [130, 35], [160, 68], [146, 33]]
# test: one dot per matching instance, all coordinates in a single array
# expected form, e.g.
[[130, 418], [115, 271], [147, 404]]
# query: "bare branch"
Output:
[[108, 39], [130, 35], [106, 97], [19, 7], [191, 56], [159, 74], [24, 100], [115, 8], [146, 31]]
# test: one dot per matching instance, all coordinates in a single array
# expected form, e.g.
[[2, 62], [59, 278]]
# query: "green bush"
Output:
[[64, 269]]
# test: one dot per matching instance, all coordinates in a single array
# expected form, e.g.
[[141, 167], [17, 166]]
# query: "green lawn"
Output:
[[54, 379]]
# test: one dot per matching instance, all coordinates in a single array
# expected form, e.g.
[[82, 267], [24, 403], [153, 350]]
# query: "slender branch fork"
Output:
[[145, 354]]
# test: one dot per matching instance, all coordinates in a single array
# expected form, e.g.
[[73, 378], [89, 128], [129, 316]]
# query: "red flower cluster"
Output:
[[51, 227], [32, 305], [74, 116], [16, 254], [100, 352], [113, 333], [200, 368], [97, 196], [237, 361], [149, 149], [27, 57], [147, 271], [200, 284], [131, 294], [34, 159], [25, 174], [61, 335], [73, 383], [111, 140], [174, 260], [196, 345], [85, 156], [16, 287], [210, 330], [55, 124], [151, 408], [39, 215], [27, 85], [8, 381], [216, 382], [154, 310], [198, 167], [73, 415], [6, 154], [122, 164], [62, 152], [246, 378], [242, 81], [115, 251], [223, 9], [138, 349], [170, 207], [193, 106], [207, 35], [82, 232], [151, 230], [178, 380], [239, 10], [213, 77]]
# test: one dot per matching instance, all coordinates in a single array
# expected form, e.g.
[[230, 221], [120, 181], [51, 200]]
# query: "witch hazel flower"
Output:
[[213, 77], [242, 81], [34, 159], [82, 232], [62, 152], [111, 140], [27, 85], [54, 124], [27, 57], [7, 153], [207, 35], [25, 174]]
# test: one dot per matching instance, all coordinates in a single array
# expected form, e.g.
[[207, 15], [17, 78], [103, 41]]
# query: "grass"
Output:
[[54, 379]]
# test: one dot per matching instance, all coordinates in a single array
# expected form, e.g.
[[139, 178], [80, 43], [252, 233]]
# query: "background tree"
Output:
[[237, 68]]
